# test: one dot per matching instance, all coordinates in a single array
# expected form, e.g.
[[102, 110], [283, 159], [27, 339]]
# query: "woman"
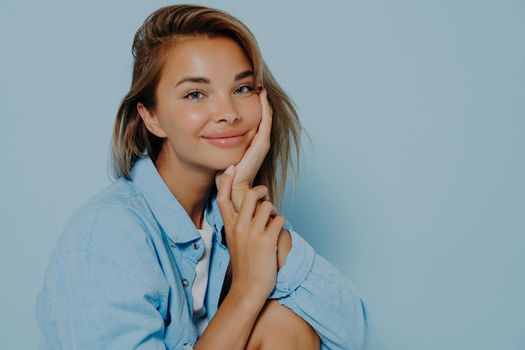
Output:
[[178, 253]]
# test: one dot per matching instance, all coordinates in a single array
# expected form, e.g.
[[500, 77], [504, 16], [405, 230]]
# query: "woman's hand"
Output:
[[251, 237], [247, 168]]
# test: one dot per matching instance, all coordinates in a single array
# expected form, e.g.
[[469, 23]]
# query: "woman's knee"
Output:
[[278, 327]]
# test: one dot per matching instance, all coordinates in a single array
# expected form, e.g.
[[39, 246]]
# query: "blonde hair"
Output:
[[163, 29]]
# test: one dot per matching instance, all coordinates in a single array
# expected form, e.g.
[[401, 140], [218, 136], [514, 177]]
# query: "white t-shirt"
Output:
[[201, 279]]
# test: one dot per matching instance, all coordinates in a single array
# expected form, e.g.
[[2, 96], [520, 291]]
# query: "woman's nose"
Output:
[[226, 110], [231, 117]]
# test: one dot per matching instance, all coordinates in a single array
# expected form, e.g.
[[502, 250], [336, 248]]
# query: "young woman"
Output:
[[185, 250]]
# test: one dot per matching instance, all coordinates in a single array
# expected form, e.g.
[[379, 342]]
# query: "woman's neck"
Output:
[[191, 185]]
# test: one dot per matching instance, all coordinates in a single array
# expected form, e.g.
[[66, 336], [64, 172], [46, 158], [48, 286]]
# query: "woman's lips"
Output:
[[226, 141]]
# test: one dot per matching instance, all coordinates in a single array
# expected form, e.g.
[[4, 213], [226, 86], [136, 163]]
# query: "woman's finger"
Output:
[[263, 213], [224, 194], [265, 127], [249, 203], [275, 226]]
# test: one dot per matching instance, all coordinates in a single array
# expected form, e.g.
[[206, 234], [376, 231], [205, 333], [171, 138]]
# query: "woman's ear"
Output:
[[151, 121]]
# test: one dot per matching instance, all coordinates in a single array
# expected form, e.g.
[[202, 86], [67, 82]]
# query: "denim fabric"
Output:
[[121, 273]]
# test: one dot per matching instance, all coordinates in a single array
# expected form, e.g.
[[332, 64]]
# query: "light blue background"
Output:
[[417, 114]]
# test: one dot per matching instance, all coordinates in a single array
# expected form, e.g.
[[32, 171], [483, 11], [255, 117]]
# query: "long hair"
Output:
[[164, 29]]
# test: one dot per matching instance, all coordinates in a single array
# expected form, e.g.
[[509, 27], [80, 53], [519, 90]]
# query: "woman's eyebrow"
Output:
[[204, 80]]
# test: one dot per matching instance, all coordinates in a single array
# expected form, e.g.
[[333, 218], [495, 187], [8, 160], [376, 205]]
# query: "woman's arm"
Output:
[[102, 287], [316, 291], [230, 327]]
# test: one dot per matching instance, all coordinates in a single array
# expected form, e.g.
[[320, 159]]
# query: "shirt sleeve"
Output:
[[106, 307], [104, 297], [317, 292]]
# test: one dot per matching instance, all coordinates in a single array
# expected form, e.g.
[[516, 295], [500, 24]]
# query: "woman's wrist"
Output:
[[246, 296]]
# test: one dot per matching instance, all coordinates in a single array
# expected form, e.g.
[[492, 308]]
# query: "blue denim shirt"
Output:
[[121, 274]]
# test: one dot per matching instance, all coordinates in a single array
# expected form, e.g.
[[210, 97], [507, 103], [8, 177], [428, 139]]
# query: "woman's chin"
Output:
[[224, 159], [225, 162]]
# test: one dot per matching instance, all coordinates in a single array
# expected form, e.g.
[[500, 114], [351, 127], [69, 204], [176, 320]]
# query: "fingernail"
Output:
[[229, 170]]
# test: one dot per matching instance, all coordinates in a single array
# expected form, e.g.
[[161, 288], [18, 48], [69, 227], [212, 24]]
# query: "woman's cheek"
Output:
[[253, 113], [196, 117], [192, 122]]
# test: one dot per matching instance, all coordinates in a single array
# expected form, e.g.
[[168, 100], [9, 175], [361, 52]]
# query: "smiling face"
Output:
[[207, 86]]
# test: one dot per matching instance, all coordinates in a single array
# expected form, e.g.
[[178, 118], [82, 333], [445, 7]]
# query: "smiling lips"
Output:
[[226, 138]]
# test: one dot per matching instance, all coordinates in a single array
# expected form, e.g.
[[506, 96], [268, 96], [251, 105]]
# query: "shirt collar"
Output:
[[166, 208]]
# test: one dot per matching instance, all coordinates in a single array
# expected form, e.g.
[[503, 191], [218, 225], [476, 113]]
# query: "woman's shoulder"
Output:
[[106, 236], [117, 214]]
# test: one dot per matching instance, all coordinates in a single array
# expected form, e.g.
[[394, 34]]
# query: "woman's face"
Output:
[[206, 86]]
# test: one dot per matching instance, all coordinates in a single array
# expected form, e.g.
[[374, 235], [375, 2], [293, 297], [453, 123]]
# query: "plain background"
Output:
[[416, 111]]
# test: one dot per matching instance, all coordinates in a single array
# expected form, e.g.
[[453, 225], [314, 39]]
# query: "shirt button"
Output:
[[185, 282], [195, 245], [172, 244]]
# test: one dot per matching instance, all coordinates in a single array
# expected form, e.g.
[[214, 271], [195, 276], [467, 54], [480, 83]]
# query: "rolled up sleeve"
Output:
[[317, 292]]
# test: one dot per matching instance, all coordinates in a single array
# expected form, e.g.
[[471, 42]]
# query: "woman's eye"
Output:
[[248, 89], [194, 95]]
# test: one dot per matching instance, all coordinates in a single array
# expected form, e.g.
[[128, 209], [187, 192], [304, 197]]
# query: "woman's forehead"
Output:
[[219, 58]]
